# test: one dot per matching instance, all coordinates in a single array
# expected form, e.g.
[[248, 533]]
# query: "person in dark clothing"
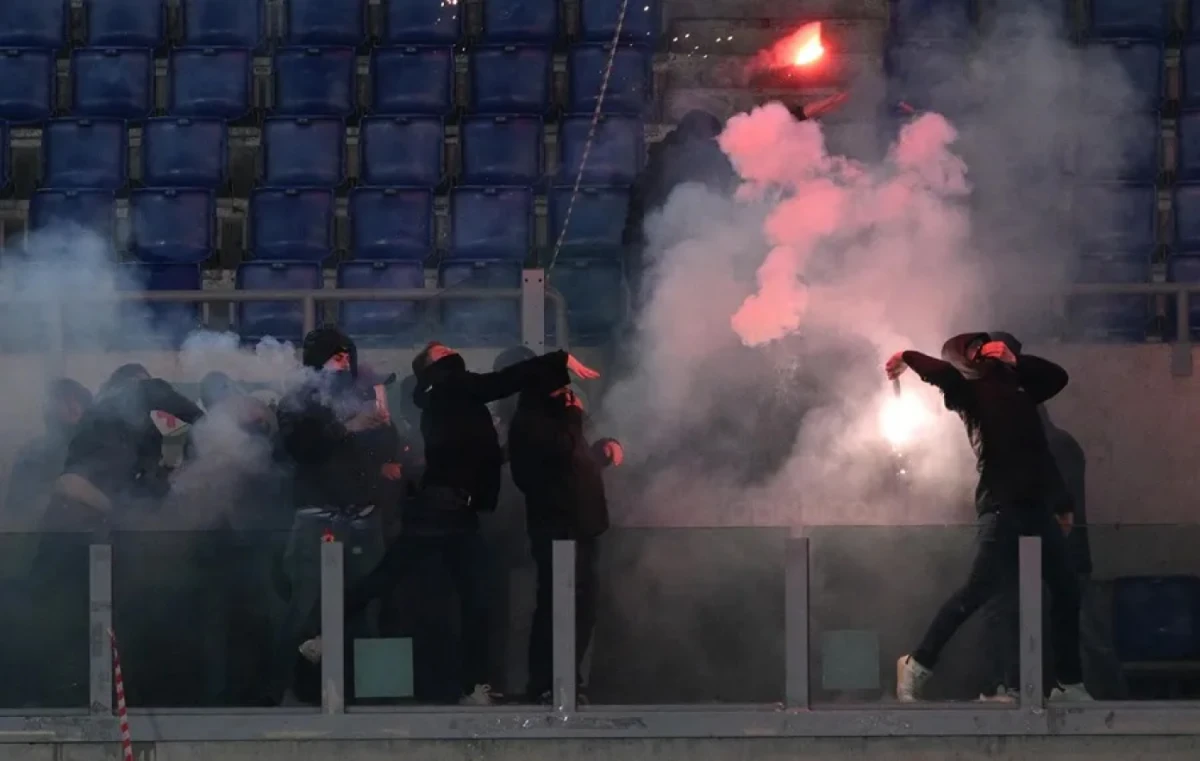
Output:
[[39, 464], [997, 391], [560, 474], [440, 533]]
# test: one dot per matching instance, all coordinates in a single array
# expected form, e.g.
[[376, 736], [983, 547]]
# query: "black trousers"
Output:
[[994, 572], [541, 634]]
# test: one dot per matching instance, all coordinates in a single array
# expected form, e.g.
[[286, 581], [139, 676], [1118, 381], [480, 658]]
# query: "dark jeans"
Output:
[[541, 635], [448, 667], [994, 571]]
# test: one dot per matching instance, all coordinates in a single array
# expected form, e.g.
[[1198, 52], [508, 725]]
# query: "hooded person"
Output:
[[997, 391], [461, 479], [40, 462], [329, 427], [561, 475]]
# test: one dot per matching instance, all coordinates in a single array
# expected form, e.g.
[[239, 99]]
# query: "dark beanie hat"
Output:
[[322, 344]]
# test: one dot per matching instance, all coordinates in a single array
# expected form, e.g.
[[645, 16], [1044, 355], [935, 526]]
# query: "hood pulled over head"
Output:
[[323, 344]]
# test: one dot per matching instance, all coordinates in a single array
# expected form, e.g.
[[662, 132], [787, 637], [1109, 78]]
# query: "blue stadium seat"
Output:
[[92, 209], [27, 84], [1155, 618], [401, 150], [33, 24], [303, 152], [319, 22], [291, 225], [1188, 158], [481, 322], [379, 322], [511, 79], [931, 19], [315, 82], [223, 23], [1130, 148], [170, 323], [181, 152], [1129, 18], [501, 150], [520, 20], [116, 82], [283, 320], [1116, 217], [930, 76], [629, 86], [1189, 74], [1187, 217], [618, 150], [597, 221], [1143, 64], [594, 290], [1110, 318], [411, 80], [172, 224], [598, 20], [210, 82], [421, 22], [491, 223], [125, 23], [84, 153], [391, 223]]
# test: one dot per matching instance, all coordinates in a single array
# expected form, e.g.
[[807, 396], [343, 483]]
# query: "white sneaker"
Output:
[[1003, 695], [482, 696], [311, 650], [910, 679], [1070, 693]]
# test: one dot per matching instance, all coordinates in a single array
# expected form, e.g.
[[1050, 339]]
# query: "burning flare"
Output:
[[805, 45], [902, 419]]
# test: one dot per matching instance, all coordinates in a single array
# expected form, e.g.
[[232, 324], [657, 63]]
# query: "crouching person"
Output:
[[560, 474]]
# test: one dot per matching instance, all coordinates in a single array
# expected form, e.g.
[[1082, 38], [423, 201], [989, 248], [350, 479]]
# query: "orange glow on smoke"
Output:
[[805, 45]]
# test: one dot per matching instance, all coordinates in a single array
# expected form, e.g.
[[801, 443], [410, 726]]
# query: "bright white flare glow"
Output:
[[902, 419]]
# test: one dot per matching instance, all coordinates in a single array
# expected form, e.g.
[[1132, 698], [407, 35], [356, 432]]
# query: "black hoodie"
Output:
[[560, 474], [999, 406], [462, 449]]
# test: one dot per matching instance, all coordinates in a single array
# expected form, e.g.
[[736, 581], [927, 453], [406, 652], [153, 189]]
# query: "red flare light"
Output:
[[805, 47]]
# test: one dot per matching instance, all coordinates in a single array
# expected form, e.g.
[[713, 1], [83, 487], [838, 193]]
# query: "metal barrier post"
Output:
[[563, 597], [310, 314], [795, 618], [1029, 579], [100, 605], [1181, 350], [533, 310], [333, 629]]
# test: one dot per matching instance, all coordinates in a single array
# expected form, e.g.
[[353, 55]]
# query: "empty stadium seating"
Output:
[[1113, 318], [1188, 163], [511, 79], [1189, 74], [597, 220], [283, 320], [391, 223], [84, 154], [501, 150], [1117, 218], [480, 322], [210, 82], [617, 152], [33, 24], [594, 290], [1142, 64], [172, 224], [628, 85], [598, 20], [92, 209], [303, 152], [1187, 218], [116, 82], [421, 22], [319, 22], [520, 20], [27, 85], [291, 224], [182, 152], [401, 150], [315, 81], [377, 322], [217, 23], [931, 19], [125, 23], [412, 80], [1120, 147], [491, 223], [160, 324], [1129, 18]]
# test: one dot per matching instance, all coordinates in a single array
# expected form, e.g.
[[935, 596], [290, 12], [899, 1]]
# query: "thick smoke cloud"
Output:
[[757, 395]]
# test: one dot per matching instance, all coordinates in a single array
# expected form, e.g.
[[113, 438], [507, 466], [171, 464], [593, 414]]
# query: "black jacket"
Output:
[[999, 406], [559, 473], [1071, 471], [462, 449], [116, 445]]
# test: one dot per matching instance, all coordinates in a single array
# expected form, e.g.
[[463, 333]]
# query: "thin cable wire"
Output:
[[587, 146]]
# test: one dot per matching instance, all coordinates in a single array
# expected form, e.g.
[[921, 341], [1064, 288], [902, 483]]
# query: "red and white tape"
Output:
[[122, 710]]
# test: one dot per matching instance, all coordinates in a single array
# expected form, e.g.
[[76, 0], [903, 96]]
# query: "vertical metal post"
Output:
[[1181, 350], [100, 604], [310, 314], [563, 597], [795, 621], [333, 629], [1029, 579], [533, 310]]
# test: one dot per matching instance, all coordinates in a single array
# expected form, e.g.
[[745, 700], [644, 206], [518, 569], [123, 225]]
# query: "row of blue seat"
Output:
[[955, 19], [242, 23], [87, 154], [177, 224], [594, 291], [216, 82]]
